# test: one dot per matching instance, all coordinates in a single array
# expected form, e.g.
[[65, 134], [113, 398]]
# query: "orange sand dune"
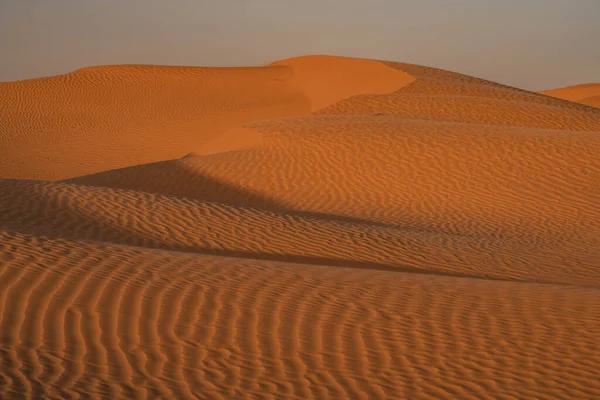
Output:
[[120, 322], [278, 233], [322, 227], [455, 178], [470, 109], [117, 116], [588, 94], [320, 79], [110, 117], [592, 101]]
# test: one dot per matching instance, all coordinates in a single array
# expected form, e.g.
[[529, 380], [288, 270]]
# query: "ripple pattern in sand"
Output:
[[125, 323]]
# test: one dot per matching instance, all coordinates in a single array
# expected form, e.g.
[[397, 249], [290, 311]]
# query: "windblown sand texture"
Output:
[[588, 94], [322, 227]]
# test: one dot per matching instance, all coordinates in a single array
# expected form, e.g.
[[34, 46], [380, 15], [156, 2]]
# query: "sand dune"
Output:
[[322, 227], [119, 322], [320, 79], [117, 116], [588, 94], [109, 117], [155, 221], [592, 101], [417, 174]]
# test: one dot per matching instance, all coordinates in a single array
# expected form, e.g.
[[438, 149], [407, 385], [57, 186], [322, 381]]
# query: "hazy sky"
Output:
[[533, 44]]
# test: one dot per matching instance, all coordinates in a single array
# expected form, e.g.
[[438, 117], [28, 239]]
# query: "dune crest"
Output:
[[593, 101], [230, 140], [117, 115], [320, 79], [588, 94]]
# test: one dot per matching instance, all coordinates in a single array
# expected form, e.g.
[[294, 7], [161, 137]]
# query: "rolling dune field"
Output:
[[321, 227]]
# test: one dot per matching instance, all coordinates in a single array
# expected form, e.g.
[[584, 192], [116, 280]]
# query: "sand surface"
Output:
[[321, 227], [588, 94]]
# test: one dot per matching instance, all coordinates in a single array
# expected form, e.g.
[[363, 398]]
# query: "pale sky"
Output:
[[532, 44]]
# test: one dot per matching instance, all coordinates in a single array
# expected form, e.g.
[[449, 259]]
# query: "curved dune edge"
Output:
[[593, 101], [107, 117], [277, 233], [423, 174], [321, 78], [588, 94], [104, 118]]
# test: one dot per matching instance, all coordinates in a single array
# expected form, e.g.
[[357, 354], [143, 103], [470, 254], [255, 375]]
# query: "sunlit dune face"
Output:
[[588, 94]]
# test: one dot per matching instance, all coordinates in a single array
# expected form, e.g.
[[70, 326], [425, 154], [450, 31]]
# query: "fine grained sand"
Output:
[[588, 94], [322, 227]]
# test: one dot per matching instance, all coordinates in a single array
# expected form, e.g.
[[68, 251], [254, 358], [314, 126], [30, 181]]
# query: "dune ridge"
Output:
[[156, 221], [322, 227], [588, 94], [128, 109]]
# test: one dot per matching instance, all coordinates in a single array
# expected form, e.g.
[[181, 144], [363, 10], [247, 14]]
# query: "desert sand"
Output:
[[322, 227], [588, 94]]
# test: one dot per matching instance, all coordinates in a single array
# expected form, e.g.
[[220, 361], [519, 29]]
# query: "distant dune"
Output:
[[109, 117], [322, 227], [588, 94]]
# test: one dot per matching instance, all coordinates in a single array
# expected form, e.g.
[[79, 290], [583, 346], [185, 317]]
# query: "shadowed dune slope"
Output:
[[588, 94], [155, 221], [322, 227], [447, 152], [453, 178]]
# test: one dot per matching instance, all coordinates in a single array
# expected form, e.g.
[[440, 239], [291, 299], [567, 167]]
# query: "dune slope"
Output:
[[156, 221], [109, 117], [322, 227], [81, 319], [588, 94]]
